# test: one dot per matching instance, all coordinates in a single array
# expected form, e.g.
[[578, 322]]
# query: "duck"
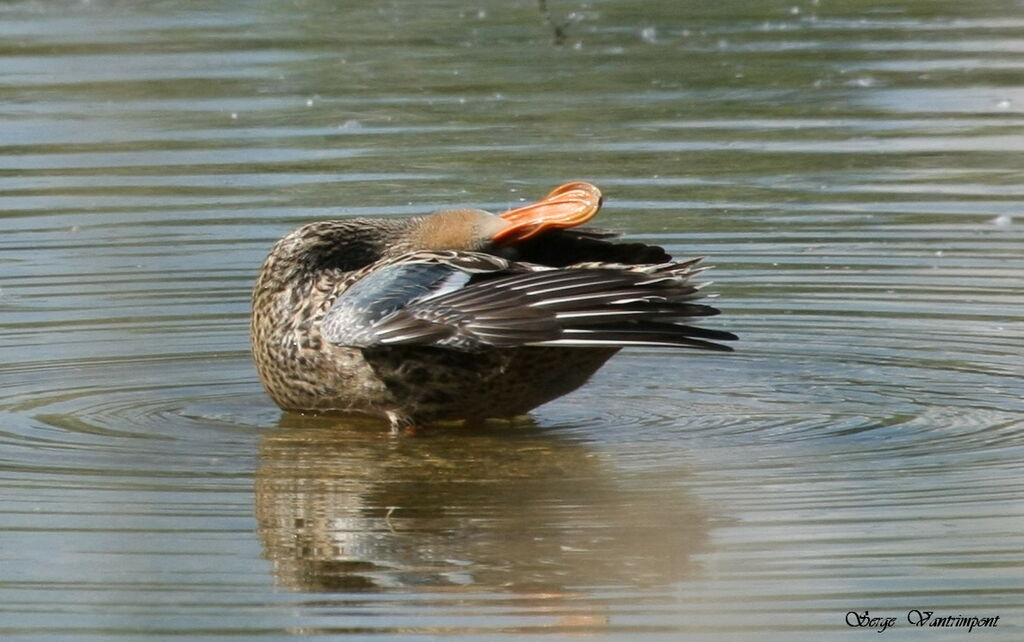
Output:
[[463, 315]]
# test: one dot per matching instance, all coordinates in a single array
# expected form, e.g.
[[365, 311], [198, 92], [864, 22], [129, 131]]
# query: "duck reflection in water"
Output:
[[342, 508]]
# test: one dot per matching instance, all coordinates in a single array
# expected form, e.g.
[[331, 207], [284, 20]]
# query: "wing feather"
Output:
[[464, 302]]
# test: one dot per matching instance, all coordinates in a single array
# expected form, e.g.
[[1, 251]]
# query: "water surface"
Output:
[[852, 171]]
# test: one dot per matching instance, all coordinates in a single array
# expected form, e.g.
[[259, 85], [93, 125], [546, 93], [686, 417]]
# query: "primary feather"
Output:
[[480, 302]]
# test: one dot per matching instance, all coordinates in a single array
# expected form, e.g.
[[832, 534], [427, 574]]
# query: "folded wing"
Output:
[[471, 302]]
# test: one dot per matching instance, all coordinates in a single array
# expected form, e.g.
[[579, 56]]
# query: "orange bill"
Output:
[[566, 206]]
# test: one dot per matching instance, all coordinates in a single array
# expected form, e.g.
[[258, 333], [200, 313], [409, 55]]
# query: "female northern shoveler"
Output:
[[462, 314]]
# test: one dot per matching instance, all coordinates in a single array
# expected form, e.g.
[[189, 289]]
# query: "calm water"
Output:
[[854, 171]]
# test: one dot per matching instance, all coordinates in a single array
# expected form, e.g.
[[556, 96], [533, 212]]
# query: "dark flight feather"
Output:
[[488, 303]]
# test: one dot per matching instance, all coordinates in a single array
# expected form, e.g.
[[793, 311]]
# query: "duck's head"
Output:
[[566, 206], [355, 243]]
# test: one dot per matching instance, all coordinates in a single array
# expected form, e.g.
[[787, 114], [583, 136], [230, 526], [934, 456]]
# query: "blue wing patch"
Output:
[[383, 292]]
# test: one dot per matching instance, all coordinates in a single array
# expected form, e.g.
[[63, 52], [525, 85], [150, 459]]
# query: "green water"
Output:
[[852, 170]]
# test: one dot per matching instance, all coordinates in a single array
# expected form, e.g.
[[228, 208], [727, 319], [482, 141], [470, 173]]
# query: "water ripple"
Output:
[[860, 449]]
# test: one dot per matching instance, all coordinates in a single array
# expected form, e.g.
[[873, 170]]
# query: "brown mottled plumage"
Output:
[[461, 314]]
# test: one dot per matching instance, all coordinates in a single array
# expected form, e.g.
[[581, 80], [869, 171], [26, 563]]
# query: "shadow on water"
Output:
[[516, 509]]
